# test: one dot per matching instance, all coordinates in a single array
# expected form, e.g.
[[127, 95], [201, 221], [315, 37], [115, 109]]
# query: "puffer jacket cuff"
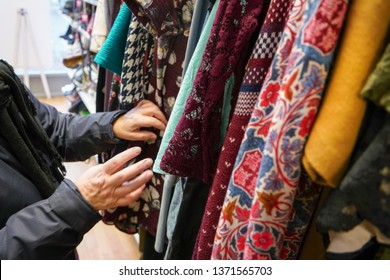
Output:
[[106, 128], [73, 208]]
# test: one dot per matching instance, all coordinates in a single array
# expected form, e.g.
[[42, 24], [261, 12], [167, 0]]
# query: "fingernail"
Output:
[[136, 149], [148, 161], [126, 183]]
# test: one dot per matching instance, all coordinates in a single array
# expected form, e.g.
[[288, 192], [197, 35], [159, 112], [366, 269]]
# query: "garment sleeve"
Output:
[[49, 229], [77, 137]]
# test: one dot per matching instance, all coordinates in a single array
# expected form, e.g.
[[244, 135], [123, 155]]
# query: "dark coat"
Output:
[[37, 228]]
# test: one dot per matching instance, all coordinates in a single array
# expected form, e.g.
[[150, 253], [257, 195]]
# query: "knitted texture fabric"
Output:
[[337, 125], [110, 56], [257, 67], [267, 177], [18, 124], [196, 138], [185, 89]]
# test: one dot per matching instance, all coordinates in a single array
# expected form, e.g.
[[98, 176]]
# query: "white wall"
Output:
[[37, 31]]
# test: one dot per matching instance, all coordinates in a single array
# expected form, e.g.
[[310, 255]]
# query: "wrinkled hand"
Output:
[[145, 115], [108, 185]]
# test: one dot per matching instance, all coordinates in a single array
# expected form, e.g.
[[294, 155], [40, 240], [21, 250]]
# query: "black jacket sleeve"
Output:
[[52, 228], [77, 137], [49, 229]]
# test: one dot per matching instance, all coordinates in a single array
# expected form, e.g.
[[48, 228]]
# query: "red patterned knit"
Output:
[[196, 138], [256, 70]]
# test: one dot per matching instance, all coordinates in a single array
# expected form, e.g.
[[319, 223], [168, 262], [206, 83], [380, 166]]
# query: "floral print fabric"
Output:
[[267, 174], [255, 72], [153, 69]]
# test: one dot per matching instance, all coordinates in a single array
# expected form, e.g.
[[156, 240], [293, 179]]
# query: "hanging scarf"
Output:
[[18, 124], [110, 56], [196, 138], [137, 65], [156, 67], [337, 125], [261, 193], [363, 196], [255, 72], [185, 88]]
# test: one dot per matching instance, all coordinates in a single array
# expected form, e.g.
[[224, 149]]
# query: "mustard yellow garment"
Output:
[[335, 130]]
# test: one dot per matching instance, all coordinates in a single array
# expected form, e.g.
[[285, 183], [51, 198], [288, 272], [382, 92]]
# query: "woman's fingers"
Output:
[[117, 162]]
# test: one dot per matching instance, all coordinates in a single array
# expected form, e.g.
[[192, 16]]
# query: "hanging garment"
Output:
[[100, 27], [336, 127], [186, 85], [192, 192], [364, 192], [158, 59], [161, 234], [351, 237], [113, 103], [169, 23], [231, 89], [196, 138], [257, 67], [137, 64], [185, 89], [173, 213], [313, 247], [377, 88], [262, 191], [198, 20], [108, 77], [201, 10], [330, 214], [106, 12], [279, 64], [100, 91], [188, 219], [198, 193], [306, 200], [110, 56]]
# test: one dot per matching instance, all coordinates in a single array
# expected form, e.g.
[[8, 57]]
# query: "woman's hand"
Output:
[[145, 115], [109, 185]]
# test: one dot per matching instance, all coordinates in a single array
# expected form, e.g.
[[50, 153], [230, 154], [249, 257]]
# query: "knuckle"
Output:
[[98, 181]]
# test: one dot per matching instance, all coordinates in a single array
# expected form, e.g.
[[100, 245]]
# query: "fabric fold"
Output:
[[155, 66], [337, 125], [196, 138], [259, 218], [111, 53], [255, 72]]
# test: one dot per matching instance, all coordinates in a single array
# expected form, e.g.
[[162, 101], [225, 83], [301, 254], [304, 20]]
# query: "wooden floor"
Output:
[[103, 242]]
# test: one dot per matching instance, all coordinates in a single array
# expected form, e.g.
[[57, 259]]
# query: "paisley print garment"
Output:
[[267, 173]]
